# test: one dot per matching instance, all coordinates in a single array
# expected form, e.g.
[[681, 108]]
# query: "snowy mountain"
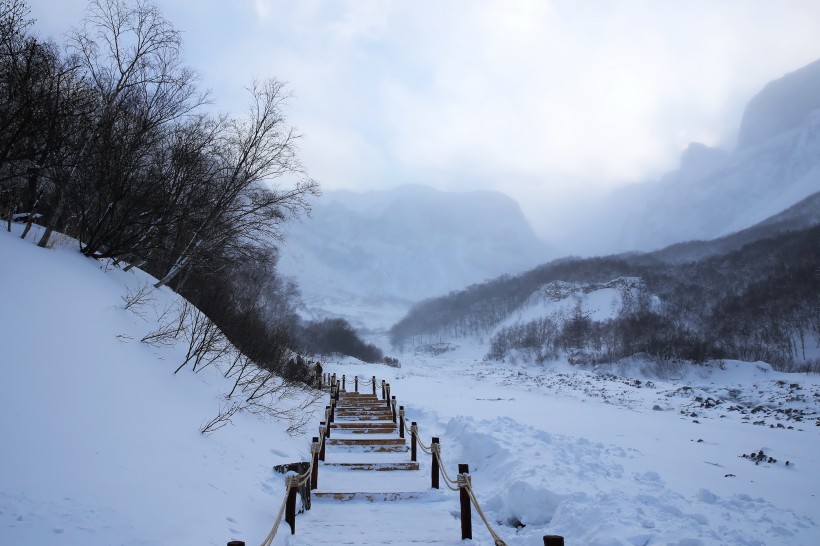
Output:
[[368, 256], [715, 192], [803, 215]]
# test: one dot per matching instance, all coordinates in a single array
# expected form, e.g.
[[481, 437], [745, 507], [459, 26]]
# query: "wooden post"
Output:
[[434, 473], [414, 430], [466, 515], [374, 385], [290, 509], [393, 408], [553, 540], [401, 421], [344, 388], [332, 410], [314, 474], [356, 382], [236, 543], [387, 395], [322, 434], [384, 392]]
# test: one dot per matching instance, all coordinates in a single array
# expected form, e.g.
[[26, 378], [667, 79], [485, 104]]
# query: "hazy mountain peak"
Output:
[[783, 104], [405, 244]]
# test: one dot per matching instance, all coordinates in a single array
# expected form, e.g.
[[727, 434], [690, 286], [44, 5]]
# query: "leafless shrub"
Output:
[[138, 297], [223, 418], [169, 326], [205, 341]]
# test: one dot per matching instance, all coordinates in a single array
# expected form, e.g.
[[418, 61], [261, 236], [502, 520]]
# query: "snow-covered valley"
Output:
[[101, 441]]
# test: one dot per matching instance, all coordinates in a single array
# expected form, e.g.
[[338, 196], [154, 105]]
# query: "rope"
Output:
[[289, 482], [451, 484], [469, 488]]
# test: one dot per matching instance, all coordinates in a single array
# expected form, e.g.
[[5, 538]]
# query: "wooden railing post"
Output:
[[322, 435], [314, 473], [356, 382], [236, 543], [414, 431], [332, 411], [290, 507], [387, 395], [344, 387], [553, 540], [374, 385], [401, 421], [435, 471], [393, 408], [384, 391], [466, 515]]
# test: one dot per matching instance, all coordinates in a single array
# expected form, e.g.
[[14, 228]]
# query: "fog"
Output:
[[552, 103]]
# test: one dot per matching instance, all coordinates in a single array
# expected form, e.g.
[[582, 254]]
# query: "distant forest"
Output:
[[760, 302]]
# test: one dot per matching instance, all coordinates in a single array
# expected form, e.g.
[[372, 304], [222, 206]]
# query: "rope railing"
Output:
[[462, 482]]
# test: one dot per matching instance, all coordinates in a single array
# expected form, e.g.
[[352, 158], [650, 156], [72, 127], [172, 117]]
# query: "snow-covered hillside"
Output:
[[101, 441], [368, 256]]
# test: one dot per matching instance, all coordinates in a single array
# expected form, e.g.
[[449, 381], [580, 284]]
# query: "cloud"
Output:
[[537, 98]]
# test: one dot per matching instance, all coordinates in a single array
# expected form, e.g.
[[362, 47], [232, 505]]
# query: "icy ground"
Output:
[[100, 441]]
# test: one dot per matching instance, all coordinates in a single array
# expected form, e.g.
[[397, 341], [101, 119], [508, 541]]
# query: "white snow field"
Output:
[[100, 441]]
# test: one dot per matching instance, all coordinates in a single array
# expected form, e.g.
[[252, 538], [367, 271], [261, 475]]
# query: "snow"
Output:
[[101, 442]]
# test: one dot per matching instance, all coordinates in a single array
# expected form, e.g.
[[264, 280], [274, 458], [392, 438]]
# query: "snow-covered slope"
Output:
[[782, 105], [368, 256], [100, 442], [715, 193]]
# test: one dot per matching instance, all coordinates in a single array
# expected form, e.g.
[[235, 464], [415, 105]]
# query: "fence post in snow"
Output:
[[434, 473], [290, 505], [553, 540], [236, 543], [414, 430], [401, 421], [356, 382], [322, 436], [393, 407], [374, 385], [384, 392], [387, 395], [314, 473], [466, 516], [344, 388]]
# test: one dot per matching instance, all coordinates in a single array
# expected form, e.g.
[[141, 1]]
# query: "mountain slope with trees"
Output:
[[760, 302], [106, 140]]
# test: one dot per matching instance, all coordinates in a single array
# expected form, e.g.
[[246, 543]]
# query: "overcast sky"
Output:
[[544, 100]]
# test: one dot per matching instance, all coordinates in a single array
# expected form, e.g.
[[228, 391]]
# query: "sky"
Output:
[[548, 101]]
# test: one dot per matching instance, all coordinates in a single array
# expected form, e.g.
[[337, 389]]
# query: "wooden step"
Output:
[[362, 418], [372, 449], [356, 411], [372, 496], [376, 466], [366, 441], [382, 427]]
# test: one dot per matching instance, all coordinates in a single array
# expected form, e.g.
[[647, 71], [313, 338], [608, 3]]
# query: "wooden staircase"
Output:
[[368, 490]]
